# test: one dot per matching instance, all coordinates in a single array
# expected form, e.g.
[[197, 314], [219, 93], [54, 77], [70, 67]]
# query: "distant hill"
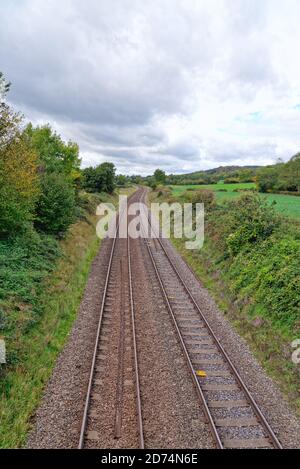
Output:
[[220, 170], [227, 173]]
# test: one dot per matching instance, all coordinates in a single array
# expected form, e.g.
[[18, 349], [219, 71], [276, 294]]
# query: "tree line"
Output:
[[282, 177], [40, 175]]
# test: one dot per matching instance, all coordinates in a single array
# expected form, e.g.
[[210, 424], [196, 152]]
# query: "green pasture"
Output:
[[287, 205]]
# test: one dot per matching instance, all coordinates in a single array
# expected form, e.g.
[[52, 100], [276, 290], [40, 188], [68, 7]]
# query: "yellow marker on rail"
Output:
[[201, 373]]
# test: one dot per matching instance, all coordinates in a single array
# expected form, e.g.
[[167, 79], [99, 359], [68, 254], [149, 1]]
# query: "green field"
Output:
[[285, 204]]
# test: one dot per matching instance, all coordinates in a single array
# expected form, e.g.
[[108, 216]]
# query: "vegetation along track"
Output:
[[112, 415], [234, 417]]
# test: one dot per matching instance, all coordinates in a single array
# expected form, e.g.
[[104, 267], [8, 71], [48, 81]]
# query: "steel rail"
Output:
[[135, 353], [261, 418], [186, 354]]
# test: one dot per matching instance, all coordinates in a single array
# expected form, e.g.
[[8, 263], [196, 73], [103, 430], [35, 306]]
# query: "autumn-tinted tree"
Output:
[[19, 185]]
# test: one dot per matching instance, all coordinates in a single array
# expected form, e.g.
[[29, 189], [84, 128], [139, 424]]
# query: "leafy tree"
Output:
[[121, 180], [55, 209], [4, 87], [59, 172], [109, 171], [100, 179], [160, 176], [9, 120], [280, 177], [267, 178], [246, 175], [135, 179], [152, 183], [290, 174], [19, 186], [54, 154]]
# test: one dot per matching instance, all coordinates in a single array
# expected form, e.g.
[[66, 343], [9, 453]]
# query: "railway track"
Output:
[[112, 414], [113, 411], [234, 418]]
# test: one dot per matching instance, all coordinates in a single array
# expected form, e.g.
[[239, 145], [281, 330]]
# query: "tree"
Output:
[[4, 87], [9, 120], [109, 170], [19, 185], [280, 177], [54, 154], [160, 176], [291, 174], [100, 179], [135, 179], [121, 180], [55, 209], [267, 178], [152, 182]]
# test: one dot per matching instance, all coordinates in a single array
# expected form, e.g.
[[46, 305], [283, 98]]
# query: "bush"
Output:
[[56, 205], [270, 275], [25, 261], [88, 202], [245, 221], [231, 180], [163, 191], [201, 196]]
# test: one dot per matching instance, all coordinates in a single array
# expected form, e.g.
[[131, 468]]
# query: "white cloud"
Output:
[[180, 84]]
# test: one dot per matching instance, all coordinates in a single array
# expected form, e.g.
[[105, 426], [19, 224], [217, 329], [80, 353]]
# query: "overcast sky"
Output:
[[178, 84]]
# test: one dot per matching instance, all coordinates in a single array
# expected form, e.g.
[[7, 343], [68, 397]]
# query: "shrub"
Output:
[[163, 191], [246, 221], [231, 180], [25, 261], [201, 196], [56, 205], [270, 275]]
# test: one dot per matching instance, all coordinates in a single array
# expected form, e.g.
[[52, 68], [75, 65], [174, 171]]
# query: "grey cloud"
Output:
[[183, 150]]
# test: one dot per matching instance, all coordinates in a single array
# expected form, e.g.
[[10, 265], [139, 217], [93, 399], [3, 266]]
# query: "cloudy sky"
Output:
[[178, 84]]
